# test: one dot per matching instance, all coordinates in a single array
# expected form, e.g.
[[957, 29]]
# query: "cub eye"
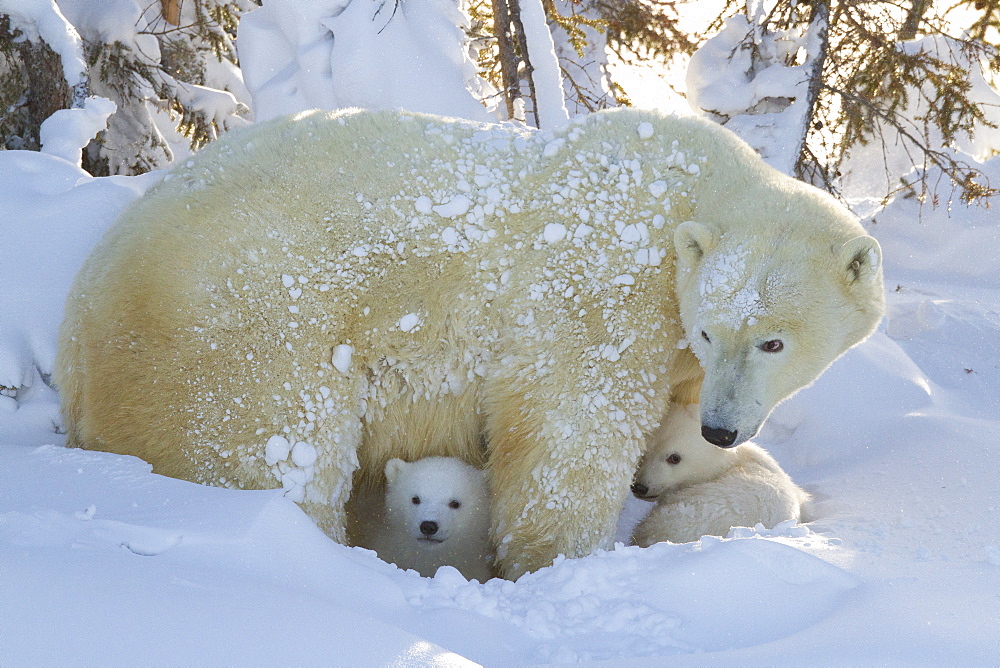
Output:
[[416, 500], [674, 459], [454, 504], [705, 336], [772, 346]]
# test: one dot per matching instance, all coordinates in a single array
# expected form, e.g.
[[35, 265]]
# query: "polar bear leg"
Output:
[[558, 483], [336, 439]]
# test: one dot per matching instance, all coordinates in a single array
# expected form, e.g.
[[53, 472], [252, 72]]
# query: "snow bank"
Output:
[[204, 563], [665, 600], [329, 54], [65, 133], [954, 242], [51, 215], [198, 564]]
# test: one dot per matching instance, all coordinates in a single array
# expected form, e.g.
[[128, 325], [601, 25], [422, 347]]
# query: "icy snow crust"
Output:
[[289, 336]]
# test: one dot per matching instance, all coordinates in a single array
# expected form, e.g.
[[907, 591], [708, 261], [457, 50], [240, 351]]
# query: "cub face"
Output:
[[434, 498], [677, 456]]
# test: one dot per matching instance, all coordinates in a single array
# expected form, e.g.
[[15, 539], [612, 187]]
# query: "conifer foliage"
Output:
[[169, 66], [808, 83], [893, 78]]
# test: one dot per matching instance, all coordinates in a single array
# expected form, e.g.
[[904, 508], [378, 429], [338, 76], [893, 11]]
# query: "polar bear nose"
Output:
[[720, 437], [428, 528], [639, 490]]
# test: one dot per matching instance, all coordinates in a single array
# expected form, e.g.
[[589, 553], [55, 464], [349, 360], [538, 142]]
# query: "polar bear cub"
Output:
[[436, 513], [704, 490]]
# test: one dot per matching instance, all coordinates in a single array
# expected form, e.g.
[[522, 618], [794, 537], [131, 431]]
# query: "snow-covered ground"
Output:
[[104, 563]]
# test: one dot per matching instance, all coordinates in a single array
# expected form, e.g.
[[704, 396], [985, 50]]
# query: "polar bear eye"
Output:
[[705, 336], [416, 500], [455, 504], [772, 346], [674, 459]]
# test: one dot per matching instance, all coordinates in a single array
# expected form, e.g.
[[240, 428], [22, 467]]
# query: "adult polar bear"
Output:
[[321, 293]]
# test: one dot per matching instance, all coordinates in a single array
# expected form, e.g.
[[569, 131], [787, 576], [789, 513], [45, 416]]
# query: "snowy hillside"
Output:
[[104, 563]]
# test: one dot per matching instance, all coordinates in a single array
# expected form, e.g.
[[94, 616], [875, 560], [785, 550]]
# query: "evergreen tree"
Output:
[[888, 75], [870, 84], [584, 32], [163, 65], [35, 81]]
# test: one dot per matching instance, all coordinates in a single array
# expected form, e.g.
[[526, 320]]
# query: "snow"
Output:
[[457, 206], [409, 322], [276, 449], [303, 455], [43, 19], [52, 213], [333, 53], [110, 21], [545, 74], [342, 355], [106, 563], [554, 232], [763, 101], [65, 133]]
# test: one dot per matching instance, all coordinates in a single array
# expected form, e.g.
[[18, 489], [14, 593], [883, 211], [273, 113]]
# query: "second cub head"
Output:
[[677, 456]]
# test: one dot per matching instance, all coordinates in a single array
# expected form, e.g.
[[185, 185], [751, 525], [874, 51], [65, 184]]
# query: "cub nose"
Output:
[[720, 437], [640, 490], [428, 528]]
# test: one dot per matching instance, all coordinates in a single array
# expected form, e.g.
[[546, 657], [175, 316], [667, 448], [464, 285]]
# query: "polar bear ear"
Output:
[[393, 468], [692, 240], [861, 259]]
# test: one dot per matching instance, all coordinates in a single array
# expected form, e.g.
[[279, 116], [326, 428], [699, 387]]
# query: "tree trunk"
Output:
[[47, 91], [503, 30], [515, 64], [913, 17], [522, 43], [819, 20], [171, 11]]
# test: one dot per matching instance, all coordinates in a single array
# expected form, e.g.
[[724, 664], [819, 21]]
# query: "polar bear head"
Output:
[[677, 456], [435, 498], [767, 308]]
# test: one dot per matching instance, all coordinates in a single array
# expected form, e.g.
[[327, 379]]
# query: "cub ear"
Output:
[[861, 260], [692, 240], [393, 468]]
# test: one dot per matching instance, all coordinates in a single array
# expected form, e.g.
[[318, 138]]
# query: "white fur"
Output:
[[461, 538], [309, 298], [710, 489], [739, 291]]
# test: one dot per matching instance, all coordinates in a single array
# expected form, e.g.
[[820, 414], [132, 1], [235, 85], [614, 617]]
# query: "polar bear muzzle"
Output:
[[723, 438]]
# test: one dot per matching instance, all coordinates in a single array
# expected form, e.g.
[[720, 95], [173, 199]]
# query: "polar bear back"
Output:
[[301, 302]]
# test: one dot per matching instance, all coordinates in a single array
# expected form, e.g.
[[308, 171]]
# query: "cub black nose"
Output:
[[720, 437], [428, 528], [639, 489]]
